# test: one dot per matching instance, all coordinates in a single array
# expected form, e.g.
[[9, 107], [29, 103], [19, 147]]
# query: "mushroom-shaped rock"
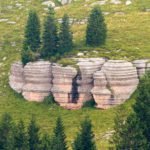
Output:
[[38, 79], [63, 88], [85, 80], [122, 80], [16, 79]]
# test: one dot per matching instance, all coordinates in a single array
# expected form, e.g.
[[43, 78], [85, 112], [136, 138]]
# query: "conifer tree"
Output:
[[85, 139], [50, 37], [31, 42], [128, 133], [7, 141], [32, 32], [65, 36], [96, 28], [21, 137], [33, 132], [142, 106], [59, 139]]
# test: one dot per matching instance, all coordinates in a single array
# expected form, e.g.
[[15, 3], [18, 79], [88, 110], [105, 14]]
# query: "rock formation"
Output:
[[85, 78], [16, 79], [63, 84], [38, 77], [118, 80], [109, 82]]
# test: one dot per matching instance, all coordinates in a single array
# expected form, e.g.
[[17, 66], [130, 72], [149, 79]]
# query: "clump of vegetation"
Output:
[[90, 103], [96, 28], [49, 100]]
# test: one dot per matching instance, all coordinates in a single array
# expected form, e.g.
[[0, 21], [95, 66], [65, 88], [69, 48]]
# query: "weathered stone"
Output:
[[101, 93], [116, 2], [85, 79], [38, 77], [141, 66], [128, 2], [49, 3], [62, 89], [16, 79], [122, 80]]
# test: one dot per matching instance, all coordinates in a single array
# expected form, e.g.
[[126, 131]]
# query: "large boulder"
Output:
[[63, 88], [87, 67], [122, 80], [16, 78], [38, 78]]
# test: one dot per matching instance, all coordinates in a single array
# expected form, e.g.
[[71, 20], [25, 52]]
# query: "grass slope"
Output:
[[127, 38]]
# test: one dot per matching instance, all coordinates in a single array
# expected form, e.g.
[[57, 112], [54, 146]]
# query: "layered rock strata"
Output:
[[118, 81], [109, 82], [142, 66], [38, 78], [63, 84], [16, 79], [85, 77]]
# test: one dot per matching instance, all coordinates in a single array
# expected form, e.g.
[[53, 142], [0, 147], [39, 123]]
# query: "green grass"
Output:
[[128, 38]]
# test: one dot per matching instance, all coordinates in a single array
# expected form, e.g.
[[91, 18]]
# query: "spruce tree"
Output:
[[59, 139], [96, 28], [21, 137], [31, 41], [142, 105], [32, 32], [33, 132], [65, 36], [85, 139], [7, 128], [50, 37]]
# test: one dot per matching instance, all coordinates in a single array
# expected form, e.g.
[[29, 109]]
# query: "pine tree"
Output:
[[33, 131], [65, 36], [31, 42], [46, 142], [96, 28], [59, 139], [142, 106], [50, 37], [21, 137], [85, 139], [32, 32], [7, 133]]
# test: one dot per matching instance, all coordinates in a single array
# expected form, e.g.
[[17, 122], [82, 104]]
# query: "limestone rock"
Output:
[[141, 66], [116, 2], [49, 3], [101, 93], [85, 79], [38, 77], [16, 79], [62, 89], [122, 80]]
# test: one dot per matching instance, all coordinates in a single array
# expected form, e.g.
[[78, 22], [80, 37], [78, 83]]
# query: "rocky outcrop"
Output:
[[118, 81], [108, 82], [63, 84], [16, 79], [38, 77], [85, 77]]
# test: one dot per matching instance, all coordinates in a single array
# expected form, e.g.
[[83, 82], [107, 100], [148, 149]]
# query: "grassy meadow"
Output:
[[128, 38]]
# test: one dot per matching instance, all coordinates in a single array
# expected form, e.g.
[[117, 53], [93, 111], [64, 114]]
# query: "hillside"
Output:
[[128, 38]]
